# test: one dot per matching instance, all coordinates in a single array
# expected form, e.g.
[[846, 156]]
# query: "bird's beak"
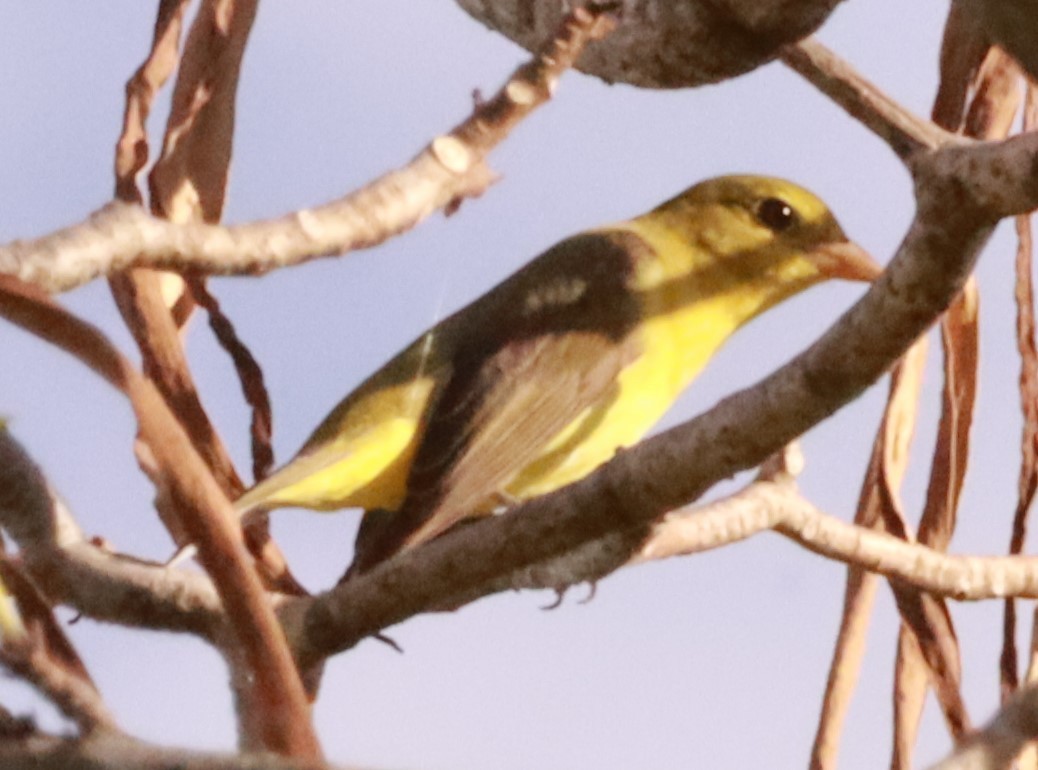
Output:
[[846, 260]]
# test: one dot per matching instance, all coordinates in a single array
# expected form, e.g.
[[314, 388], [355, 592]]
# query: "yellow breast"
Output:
[[677, 338]]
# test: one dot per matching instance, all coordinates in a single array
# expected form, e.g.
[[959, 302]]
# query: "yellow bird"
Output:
[[542, 379]]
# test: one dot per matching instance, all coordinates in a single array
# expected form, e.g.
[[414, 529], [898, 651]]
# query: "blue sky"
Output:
[[715, 661]]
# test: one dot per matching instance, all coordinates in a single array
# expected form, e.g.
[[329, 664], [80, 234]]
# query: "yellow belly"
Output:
[[370, 469], [676, 347], [680, 332]]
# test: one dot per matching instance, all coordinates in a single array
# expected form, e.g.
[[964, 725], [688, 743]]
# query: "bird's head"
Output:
[[765, 228]]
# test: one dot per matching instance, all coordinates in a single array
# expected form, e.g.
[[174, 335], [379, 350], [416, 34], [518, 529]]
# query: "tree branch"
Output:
[[663, 44], [452, 167], [207, 513], [97, 583], [905, 132], [34, 647], [107, 751], [761, 507]]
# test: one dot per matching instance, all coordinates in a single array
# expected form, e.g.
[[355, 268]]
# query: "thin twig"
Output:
[[452, 167], [905, 132]]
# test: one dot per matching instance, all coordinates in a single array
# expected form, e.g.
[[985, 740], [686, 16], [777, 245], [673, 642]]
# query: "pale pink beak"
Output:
[[846, 260]]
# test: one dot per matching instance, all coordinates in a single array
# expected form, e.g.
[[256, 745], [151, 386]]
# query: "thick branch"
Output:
[[762, 507], [667, 44]]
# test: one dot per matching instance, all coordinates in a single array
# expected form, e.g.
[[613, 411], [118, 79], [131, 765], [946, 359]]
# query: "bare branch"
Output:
[[99, 584], [187, 184], [39, 652], [426, 578], [76, 698], [131, 152], [449, 169], [207, 513], [718, 40], [108, 751], [904, 132]]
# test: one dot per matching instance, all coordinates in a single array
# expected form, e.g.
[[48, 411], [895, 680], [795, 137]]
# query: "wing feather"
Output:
[[531, 356]]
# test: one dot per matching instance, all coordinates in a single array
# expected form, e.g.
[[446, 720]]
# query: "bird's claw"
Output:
[[388, 640]]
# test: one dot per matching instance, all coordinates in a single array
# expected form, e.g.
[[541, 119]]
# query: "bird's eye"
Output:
[[776, 214]]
